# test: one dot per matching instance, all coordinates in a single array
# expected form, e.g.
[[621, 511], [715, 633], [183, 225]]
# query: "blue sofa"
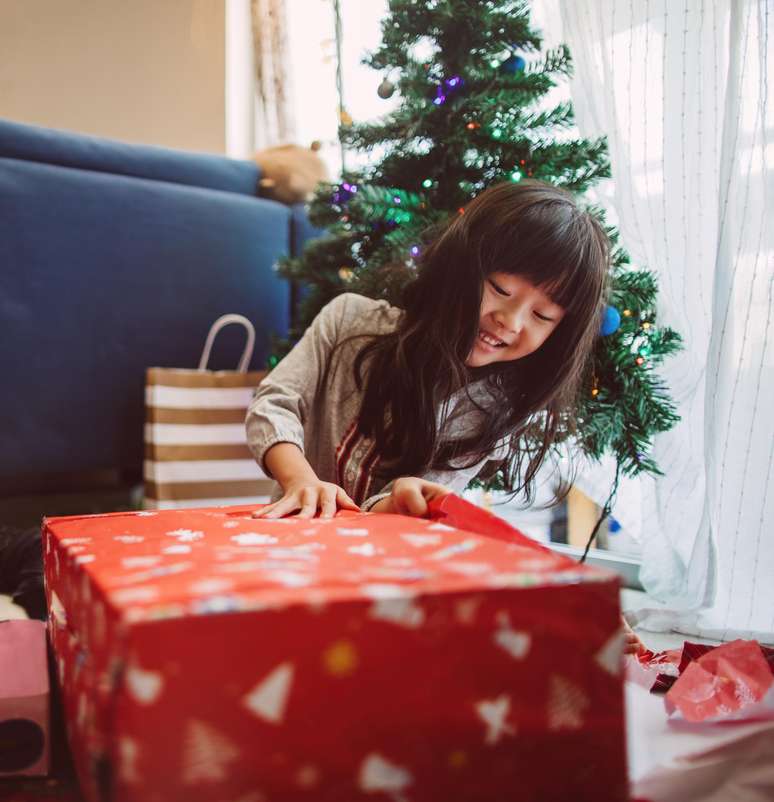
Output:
[[113, 258]]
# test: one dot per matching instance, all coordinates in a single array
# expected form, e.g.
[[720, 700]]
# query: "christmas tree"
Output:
[[472, 79]]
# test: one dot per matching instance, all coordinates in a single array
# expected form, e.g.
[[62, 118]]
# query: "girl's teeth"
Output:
[[490, 340]]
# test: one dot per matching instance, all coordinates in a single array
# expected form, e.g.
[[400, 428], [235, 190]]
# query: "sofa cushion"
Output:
[[50, 146]]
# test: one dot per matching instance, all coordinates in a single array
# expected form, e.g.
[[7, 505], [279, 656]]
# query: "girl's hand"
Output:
[[632, 644], [308, 496], [410, 496]]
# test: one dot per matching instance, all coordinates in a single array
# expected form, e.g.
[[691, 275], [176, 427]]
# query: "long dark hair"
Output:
[[529, 229]]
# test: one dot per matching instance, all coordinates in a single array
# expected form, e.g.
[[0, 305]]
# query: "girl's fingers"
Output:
[[409, 500], [282, 507], [344, 501], [328, 504], [309, 500]]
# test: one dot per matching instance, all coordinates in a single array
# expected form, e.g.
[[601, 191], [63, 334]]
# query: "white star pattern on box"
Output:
[[610, 656], [230, 524], [291, 579], [269, 697], [144, 686], [140, 562], [378, 774], [254, 539], [494, 714], [347, 532], [394, 603], [403, 612], [145, 514], [75, 541], [468, 569], [566, 704], [136, 595], [437, 527], [418, 541], [456, 548], [129, 538], [185, 535], [177, 548], [516, 643], [366, 550], [302, 555], [82, 559], [206, 587], [207, 753], [154, 573]]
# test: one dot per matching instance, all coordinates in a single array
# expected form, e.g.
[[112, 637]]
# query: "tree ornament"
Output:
[[346, 273], [386, 89], [343, 193], [513, 64], [611, 320], [446, 88]]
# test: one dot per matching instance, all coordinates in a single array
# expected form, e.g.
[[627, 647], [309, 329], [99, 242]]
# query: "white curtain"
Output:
[[274, 118], [682, 90]]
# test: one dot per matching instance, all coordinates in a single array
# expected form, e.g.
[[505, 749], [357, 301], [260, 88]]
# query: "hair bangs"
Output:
[[556, 246]]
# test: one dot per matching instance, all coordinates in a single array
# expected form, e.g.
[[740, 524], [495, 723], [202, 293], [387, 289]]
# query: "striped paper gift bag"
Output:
[[196, 451]]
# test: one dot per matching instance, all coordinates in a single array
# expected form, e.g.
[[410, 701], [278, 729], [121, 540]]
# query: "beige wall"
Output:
[[150, 71]]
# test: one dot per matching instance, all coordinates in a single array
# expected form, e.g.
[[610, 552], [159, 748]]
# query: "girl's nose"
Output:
[[512, 321]]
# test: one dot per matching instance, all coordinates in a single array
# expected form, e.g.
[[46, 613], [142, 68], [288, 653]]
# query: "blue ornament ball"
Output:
[[513, 64], [611, 320]]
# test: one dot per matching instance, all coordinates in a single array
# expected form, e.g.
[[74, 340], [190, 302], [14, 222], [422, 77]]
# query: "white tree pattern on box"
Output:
[[207, 753], [269, 697], [566, 703]]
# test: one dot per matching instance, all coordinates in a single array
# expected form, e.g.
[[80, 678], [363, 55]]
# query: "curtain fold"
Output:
[[274, 94], [681, 89]]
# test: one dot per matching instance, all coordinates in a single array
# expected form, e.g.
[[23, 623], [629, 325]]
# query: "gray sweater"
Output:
[[291, 405]]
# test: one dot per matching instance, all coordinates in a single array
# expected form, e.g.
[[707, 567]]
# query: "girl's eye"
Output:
[[499, 290], [543, 317]]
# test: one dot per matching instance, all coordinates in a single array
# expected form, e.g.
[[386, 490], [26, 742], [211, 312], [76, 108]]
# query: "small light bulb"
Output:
[[427, 183]]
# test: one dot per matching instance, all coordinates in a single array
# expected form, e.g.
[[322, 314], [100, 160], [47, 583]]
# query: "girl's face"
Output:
[[516, 319]]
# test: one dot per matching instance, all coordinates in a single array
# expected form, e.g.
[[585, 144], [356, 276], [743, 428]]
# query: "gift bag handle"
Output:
[[225, 320]]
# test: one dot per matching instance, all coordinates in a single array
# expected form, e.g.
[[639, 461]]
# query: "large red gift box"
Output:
[[208, 655]]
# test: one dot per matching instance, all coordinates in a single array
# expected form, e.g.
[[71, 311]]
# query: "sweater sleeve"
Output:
[[282, 401]]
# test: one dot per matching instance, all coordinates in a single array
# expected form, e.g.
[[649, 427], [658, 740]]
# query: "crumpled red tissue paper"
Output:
[[705, 683]]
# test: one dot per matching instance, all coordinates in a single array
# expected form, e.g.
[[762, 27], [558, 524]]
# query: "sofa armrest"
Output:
[[103, 276], [49, 146]]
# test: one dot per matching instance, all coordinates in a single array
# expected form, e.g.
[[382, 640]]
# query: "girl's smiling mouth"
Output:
[[488, 340]]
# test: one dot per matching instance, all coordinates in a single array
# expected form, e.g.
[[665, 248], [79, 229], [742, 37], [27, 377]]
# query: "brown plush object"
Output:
[[290, 172]]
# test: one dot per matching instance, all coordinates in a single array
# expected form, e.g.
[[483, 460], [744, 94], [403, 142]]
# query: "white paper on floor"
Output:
[[682, 762]]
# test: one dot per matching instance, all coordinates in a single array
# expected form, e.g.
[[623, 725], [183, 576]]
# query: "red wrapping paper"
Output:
[[207, 655], [728, 681]]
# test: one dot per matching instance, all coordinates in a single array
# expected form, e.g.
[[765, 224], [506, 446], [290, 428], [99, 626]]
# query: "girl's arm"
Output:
[[280, 407]]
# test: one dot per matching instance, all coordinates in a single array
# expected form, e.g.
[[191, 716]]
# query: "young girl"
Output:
[[382, 409]]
